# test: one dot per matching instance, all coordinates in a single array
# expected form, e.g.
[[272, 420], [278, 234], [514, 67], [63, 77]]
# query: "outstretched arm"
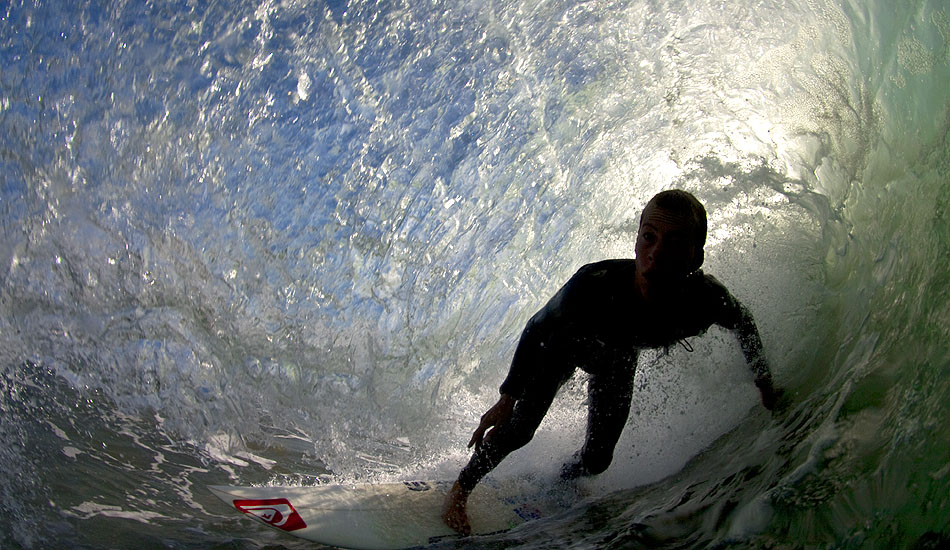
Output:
[[453, 510], [751, 344]]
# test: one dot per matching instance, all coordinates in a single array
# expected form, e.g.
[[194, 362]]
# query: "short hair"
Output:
[[685, 204]]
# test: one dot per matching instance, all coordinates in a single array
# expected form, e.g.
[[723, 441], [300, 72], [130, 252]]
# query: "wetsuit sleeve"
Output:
[[535, 357], [751, 344]]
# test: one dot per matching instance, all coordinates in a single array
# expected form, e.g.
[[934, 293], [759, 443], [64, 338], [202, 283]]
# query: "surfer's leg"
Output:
[[608, 408], [514, 434]]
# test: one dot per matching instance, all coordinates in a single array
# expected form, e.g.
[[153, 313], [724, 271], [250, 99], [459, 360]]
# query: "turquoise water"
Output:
[[295, 242]]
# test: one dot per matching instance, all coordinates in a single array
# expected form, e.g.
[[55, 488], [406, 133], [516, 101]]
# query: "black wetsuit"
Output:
[[598, 323]]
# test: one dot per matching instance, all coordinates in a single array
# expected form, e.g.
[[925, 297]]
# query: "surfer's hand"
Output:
[[497, 415], [770, 394]]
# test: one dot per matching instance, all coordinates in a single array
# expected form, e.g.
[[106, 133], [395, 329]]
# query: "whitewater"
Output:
[[295, 242]]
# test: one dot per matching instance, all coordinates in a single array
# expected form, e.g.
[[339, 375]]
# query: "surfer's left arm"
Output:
[[751, 344], [733, 315]]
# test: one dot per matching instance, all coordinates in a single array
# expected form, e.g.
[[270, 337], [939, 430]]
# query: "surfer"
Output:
[[598, 322]]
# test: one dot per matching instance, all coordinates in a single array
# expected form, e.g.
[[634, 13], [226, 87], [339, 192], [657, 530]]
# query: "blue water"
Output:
[[295, 242]]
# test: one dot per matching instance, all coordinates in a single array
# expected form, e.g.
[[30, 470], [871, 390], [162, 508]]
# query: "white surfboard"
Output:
[[385, 516]]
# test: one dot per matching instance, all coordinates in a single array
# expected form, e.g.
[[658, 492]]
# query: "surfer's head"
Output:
[[671, 237], [686, 206]]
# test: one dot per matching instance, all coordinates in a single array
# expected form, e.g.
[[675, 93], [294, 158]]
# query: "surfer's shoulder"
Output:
[[604, 268], [716, 299], [592, 280], [707, 281]]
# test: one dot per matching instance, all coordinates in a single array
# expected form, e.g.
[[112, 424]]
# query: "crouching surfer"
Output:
[[598, 322]]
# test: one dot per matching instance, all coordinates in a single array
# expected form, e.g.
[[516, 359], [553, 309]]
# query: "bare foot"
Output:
[[453, 512]]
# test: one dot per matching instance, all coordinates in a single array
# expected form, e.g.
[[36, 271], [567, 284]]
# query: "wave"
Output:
[[295, 243]]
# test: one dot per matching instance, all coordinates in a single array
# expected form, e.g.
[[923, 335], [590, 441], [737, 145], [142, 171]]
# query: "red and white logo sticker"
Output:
[[276, 512]]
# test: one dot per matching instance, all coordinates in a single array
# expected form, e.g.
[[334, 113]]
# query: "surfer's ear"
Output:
[[698, 257]]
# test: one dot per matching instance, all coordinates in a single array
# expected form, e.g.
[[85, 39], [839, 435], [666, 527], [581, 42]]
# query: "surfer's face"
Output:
[[666, 248]]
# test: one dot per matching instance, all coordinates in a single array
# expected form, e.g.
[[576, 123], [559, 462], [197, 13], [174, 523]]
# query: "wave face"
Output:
[[296, 242]]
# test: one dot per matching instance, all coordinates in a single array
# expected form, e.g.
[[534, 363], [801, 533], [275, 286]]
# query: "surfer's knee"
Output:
[[591, 464], [597, 465], [520, 438], [508, 438]]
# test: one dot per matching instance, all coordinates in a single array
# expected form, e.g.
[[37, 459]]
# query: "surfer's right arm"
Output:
[[548, 325]]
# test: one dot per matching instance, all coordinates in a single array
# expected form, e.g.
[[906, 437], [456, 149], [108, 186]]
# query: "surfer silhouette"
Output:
[[598, 322]]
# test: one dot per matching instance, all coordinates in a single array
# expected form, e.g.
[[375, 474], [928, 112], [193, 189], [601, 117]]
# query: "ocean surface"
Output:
[[295, 242]]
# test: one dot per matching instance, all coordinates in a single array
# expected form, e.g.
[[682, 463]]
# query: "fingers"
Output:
[[768, 399], [476, 440], [479, 434], [781, 401], [775, 399], [494, 417]]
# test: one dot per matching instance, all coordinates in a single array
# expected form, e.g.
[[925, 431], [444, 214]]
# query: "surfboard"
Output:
[[386, 516]]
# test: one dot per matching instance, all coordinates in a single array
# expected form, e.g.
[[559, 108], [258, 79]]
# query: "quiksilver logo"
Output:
[[276, 512]]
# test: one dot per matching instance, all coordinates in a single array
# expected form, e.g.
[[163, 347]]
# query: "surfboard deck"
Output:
[[385, 516]]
